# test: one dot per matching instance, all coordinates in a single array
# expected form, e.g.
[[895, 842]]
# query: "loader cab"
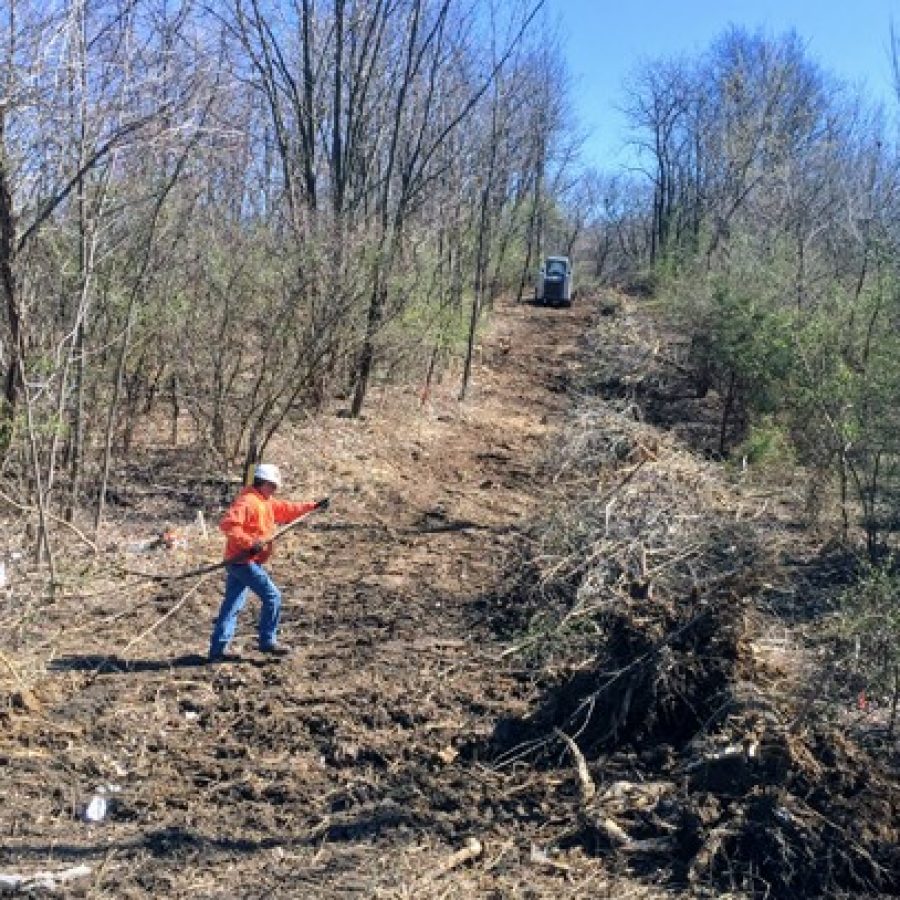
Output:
[[553, 286]]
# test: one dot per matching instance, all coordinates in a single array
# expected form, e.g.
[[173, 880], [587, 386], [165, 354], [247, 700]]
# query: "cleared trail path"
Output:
[[338, 772]]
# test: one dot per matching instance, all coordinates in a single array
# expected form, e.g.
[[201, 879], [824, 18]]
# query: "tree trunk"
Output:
[[8, 285], [481, 261], [367, 354], [389, 228]]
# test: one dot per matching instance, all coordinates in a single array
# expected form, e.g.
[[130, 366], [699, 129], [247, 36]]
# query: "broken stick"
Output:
[[588, 788], [472, 850], [41, 881]]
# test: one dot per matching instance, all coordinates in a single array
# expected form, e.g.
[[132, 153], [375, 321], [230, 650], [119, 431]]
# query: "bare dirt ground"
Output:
[[404, 751], [336, 773]]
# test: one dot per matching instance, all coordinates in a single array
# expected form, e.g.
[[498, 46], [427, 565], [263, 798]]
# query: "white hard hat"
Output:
[[268, 472]]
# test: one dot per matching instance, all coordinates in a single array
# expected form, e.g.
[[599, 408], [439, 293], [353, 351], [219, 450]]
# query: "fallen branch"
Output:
[[472, 850], [172, 610], [151, 628], [616, 834], [42, 881], [542, 858], [626, 844], [588, 788]]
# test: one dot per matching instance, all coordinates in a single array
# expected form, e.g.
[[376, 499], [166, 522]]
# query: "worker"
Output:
[[249, 525]]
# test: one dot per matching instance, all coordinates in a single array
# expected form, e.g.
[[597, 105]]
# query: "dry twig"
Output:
[[588, 788]]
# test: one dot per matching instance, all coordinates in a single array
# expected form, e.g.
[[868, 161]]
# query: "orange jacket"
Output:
[[252, 518]]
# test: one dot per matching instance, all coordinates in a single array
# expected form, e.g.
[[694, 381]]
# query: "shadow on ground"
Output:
[[95, 662]]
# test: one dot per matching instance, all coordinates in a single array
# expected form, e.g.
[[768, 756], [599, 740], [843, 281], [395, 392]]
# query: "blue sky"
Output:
[[603, 41]]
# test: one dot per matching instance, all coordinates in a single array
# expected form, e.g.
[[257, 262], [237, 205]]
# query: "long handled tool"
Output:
[[200, 573], [242, 556]]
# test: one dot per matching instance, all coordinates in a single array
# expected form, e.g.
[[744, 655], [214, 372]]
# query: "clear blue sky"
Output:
[[604, 40]]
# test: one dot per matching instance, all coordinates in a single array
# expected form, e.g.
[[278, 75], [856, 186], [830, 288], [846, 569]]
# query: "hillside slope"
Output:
[[413, 746]]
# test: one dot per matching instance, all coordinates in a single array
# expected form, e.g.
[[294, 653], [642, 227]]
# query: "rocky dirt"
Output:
[[403, 751]]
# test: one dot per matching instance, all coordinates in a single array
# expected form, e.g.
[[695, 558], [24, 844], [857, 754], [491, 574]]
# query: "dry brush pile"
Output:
[[675, 702]]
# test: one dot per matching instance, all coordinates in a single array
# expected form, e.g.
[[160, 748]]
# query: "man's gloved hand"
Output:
[[324, 503], [258, 547]]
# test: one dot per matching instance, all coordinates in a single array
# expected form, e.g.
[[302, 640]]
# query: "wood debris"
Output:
[[42, 881]]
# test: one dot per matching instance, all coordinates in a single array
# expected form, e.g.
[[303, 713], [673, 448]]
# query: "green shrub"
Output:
[[870, 621], [767, 445]]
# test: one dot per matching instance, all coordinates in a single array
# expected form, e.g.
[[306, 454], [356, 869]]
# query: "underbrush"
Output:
[[683, 712]]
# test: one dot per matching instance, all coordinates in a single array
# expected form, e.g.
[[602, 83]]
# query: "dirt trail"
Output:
[[335, 773]]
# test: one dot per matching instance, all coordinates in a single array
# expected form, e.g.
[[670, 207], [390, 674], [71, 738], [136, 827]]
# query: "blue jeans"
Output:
[[240, 579]]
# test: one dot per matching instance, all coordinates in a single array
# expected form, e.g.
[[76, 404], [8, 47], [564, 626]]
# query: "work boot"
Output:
[[224, 656], [279, 651]]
